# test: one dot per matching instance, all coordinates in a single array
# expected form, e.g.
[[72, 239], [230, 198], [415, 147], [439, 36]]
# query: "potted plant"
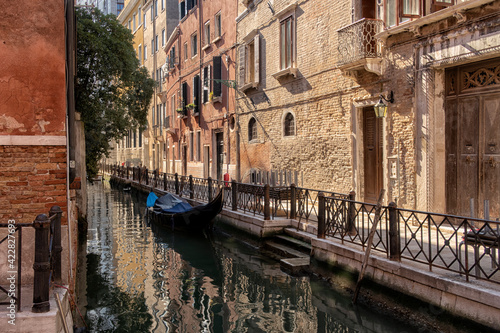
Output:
[[211, 96], [180, 112], [191, 106]]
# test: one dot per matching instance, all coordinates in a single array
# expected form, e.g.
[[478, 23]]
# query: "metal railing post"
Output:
[[146, 175], [165, 181], [41, 265], [234, 193], [210, 195], [176, 183], [191, 187], [394, 236], [267, 204], [128, 172], [351, 215], [56, 245], [321, 215], [293, 201]]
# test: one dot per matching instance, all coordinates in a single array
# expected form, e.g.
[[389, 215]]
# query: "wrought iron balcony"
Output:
[[358, 46]]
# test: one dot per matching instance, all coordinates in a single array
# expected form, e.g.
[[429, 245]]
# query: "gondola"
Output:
[[175, 213]]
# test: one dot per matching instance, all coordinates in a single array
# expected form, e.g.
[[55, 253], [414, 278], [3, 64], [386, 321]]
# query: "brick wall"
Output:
[[32, 179]]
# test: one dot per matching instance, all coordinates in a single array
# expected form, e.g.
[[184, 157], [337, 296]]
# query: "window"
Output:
[[190, 4], [162, 4], [182, 9], [156, 43], [194, 44], [289, 125], [198, 146], [399, 11], [140, 138], [152, 13], [191, 146], [145, 52], [252, 129], [156, 7], [185, 51], [139, 15], [218, 25], [139, 54], [135, 22], [206, 83], [119, 7], [163, 37], [144, 20], [129, 24], [206, 31], [249, 62], [286, 43], [217, 76], [152, 46]]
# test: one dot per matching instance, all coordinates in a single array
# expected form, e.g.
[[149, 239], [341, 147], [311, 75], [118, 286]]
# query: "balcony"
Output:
[[359, 48], [158, 132]]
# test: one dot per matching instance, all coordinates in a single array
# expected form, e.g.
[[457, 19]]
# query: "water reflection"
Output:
[[142, 278]]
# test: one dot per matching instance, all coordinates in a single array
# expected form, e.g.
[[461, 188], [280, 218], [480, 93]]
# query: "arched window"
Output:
[[289, 125], [252, 129]]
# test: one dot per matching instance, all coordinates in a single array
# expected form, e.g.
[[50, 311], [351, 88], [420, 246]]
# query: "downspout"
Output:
[[68, 11]]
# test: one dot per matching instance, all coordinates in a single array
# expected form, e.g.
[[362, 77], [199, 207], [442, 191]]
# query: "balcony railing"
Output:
[[357, 42]]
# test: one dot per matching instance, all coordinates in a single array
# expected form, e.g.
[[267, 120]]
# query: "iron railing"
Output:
[[357, 41], [47, 264], [458, 244]]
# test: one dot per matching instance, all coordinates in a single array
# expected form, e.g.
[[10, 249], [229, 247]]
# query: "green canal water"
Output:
[[144, 279]]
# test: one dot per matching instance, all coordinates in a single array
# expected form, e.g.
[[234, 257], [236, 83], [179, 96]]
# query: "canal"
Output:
[[143, 279]]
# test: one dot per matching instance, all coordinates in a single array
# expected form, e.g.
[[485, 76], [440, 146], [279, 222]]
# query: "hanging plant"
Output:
[[191, 106]]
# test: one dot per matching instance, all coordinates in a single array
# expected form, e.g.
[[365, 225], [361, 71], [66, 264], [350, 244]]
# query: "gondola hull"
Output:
[[198, 219]]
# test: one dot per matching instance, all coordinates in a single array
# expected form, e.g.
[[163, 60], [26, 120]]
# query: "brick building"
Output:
[[42, 160], [199, 75], [311, 72]]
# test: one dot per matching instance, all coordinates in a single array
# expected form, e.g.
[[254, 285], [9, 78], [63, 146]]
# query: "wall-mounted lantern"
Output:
[[381, 108]]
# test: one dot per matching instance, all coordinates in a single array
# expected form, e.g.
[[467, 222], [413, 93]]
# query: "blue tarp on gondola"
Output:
[[151, 199], [170, 204]]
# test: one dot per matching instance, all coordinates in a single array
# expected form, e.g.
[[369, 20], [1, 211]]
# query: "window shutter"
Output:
[[217, 76], [189, 4], [196, 93], [256, 59], [241, 65]]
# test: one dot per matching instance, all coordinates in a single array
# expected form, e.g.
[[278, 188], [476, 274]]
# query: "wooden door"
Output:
[[220, 153], [472, 132], [206, 161], [491, 153], [372, 152], [184, 159]]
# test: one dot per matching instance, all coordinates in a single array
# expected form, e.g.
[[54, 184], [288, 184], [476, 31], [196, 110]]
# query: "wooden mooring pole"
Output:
[[369, 246]]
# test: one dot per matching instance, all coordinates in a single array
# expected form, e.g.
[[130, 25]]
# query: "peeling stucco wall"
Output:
[[32, 69]]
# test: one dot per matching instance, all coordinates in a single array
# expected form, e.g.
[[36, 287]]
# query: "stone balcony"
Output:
[[359, 48]]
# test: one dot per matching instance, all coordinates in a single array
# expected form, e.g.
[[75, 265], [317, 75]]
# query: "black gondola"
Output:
[[175, 213]]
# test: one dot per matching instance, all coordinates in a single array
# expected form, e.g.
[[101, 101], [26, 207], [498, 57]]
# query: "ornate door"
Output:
[[473, 139]]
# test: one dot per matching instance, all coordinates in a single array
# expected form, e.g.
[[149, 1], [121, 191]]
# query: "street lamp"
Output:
[[381, 108]]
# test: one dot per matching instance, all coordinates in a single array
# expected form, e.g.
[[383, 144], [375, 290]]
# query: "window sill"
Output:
[[285, 72], [249, 86], [216, 39], [255, 141], [205, 47]]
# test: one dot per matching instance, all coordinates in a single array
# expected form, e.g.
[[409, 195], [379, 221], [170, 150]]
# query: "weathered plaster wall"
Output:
[[32, 70]]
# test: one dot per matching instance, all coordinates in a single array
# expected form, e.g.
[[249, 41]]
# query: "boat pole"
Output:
[[369, 245]]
